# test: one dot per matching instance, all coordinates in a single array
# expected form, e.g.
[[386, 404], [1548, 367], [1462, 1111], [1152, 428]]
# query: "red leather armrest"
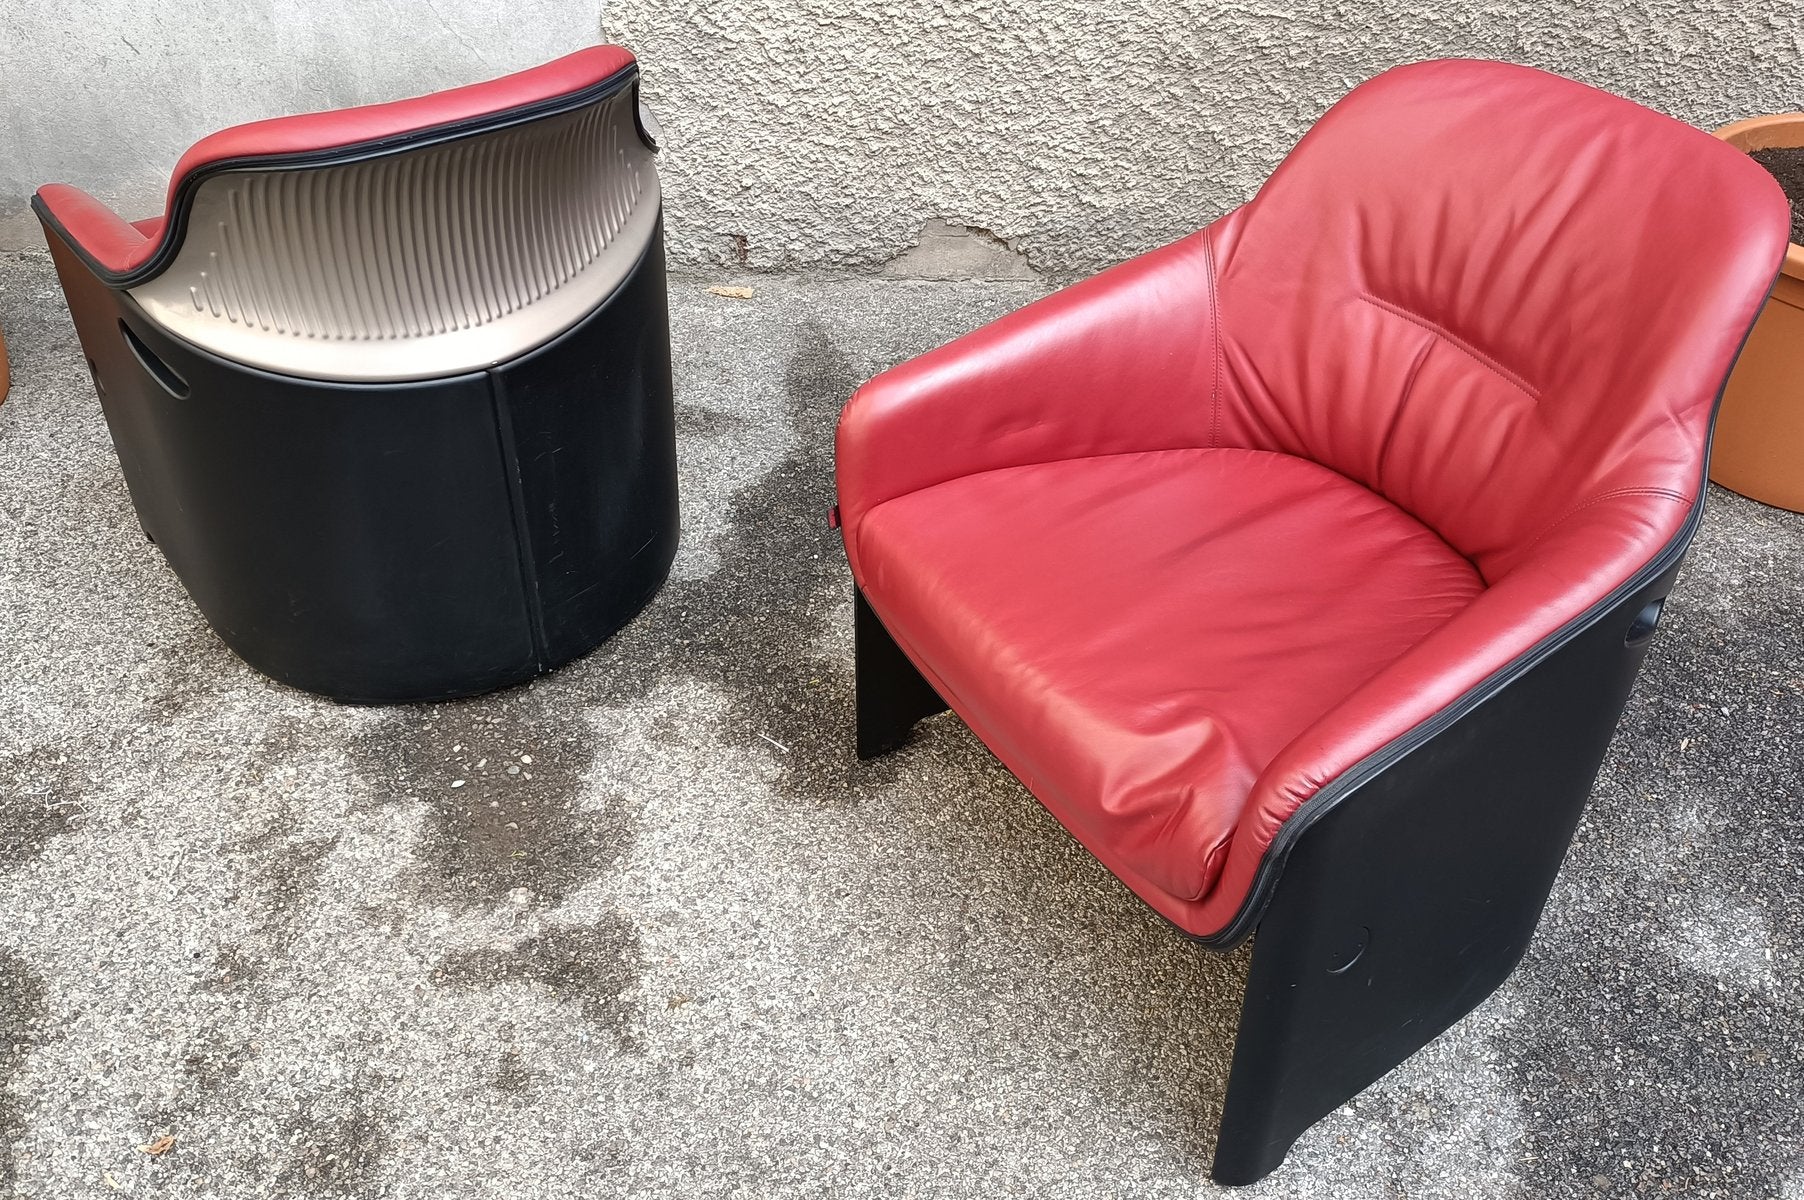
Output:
[[108, 238], [1122, 362]]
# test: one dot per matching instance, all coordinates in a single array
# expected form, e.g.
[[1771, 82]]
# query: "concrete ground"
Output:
[[693, 948]]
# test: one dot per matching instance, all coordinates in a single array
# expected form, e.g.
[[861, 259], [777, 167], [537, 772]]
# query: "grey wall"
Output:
[[810, 134]]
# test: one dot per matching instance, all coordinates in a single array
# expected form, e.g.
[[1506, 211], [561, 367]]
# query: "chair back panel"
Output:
[[419, 262]]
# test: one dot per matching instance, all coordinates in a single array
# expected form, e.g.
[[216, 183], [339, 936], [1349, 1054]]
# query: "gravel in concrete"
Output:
[[691, 947]]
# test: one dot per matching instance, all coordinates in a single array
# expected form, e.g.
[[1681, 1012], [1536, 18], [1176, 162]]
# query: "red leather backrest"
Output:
[[308, 132], [1496, 297], [120, 248]]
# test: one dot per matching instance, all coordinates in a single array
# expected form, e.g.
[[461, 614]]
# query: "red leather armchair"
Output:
[[1302, 567]]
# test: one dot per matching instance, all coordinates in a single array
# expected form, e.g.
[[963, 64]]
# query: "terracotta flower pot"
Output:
[[1759, 449]]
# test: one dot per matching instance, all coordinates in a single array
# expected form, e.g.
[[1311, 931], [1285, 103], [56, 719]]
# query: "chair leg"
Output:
[[891, 693], [1415, 896], [1353, 973], [1342, 991]]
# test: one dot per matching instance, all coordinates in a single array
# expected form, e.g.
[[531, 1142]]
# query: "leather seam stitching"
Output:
[[1215, 343], [1669, 493], [1496, 368]]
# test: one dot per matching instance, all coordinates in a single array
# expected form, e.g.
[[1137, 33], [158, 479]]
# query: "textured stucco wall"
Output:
[[809, 134]]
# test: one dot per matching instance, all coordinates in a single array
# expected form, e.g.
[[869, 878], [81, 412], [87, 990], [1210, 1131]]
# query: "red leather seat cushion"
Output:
[[1138, 635]]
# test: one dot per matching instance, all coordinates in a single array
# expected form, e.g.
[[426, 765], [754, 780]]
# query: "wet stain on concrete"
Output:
[[501, 779], [337, 1148], [232, 969], [43, 790], [1610, 1101], [195, 666], [786, 563], [693, 420], [213, 1061], [512, 1076], [284, 869], [590, 965], [752, 629], [22, 1016], [1672, 959], [293, 875]]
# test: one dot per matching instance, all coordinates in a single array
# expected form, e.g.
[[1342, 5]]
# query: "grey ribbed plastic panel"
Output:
[[419, 263]]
